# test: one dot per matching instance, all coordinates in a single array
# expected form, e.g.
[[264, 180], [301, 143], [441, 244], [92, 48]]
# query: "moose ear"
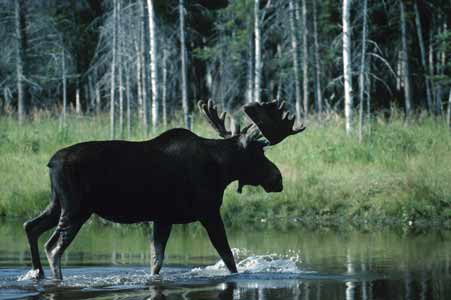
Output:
[[252, 134]]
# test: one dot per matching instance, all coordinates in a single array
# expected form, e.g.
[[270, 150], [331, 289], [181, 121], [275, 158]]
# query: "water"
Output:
[[111, 262]]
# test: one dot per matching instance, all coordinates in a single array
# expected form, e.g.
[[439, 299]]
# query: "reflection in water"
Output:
[[112, 263]]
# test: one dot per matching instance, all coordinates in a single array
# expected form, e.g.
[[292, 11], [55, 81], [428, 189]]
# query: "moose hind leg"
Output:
[[34, 228], [218, 237], [158, 243], [61, 239]]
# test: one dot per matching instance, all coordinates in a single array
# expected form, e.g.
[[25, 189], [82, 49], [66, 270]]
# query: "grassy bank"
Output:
[[398, 173]]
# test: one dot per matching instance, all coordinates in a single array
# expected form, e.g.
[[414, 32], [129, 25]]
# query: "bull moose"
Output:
[[175, 178]]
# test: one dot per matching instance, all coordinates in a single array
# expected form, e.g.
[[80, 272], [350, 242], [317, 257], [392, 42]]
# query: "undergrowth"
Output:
[[398, 172]]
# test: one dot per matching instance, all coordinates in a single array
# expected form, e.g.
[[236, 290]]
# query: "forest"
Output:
[[371, 80]]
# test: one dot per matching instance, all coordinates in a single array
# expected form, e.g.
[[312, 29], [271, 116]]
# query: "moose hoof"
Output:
[[33, 274]]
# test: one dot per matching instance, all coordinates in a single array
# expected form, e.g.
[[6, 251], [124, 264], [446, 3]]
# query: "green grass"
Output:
[[398, 173]]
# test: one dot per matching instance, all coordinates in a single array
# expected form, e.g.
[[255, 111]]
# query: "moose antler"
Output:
[[211, 113], [274, 122]]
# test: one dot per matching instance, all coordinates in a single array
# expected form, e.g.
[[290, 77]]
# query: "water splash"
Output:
[[251, 264]]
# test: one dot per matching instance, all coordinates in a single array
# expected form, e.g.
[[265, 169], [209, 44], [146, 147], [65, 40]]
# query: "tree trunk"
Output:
[[184, 70], [362, 69], [399, 72], [77, 97], [21, 62], [138, 79], [347, 67], [449, 109], [441, 70], [164, 87], [143, 69], [113, 74], [64, 78], [97, 88], [431, 66], [90, 88], [153, 65], [121, 100], [368, 96], [128, 97], [279, 84], [6, 99], [120, 69], [319, 96], [305, 56], [428, 103], [258, 52], [295, 53], [405, 63], [250, 68]]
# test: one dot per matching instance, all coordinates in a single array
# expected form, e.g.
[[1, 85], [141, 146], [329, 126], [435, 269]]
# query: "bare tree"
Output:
[[295, 53], [21, 63], [143, 67], [139, 90], [305, 56], [184, 70], [423, 57], [120, 58], [164, 87], [405, 63], [449, 109], [113, 75], [347, 64], [64, 78], [363, 67], [250, 67], [318, 93], [153, 64], [258, 52]]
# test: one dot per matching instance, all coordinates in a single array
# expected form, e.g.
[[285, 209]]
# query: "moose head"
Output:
[[270, 124]]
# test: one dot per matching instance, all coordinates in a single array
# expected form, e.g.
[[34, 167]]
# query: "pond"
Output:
[[111, 262]]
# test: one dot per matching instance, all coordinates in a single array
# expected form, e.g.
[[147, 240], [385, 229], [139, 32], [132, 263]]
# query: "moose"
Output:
[[175, 178]]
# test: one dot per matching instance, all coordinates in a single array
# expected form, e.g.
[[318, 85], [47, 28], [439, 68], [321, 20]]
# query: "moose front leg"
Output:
[[217, 234], [161, 234]]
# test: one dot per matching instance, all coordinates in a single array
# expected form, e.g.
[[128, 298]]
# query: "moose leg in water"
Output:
[[161, 234], [217, 234], [34, 228], [64, 234]]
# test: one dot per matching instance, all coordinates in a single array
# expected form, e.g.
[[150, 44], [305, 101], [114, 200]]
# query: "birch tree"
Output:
[[318, 93], [250, 67], [64, 79], [295, 53], [153, 64], [120, 38], [21, 62], [113, 74], [449, 109], [405, 62], [423, 57], [258, 52], [138, 67], [362, 67], [183, 67], [143, 68], [347, 64], [305, 56], [164, 87]]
